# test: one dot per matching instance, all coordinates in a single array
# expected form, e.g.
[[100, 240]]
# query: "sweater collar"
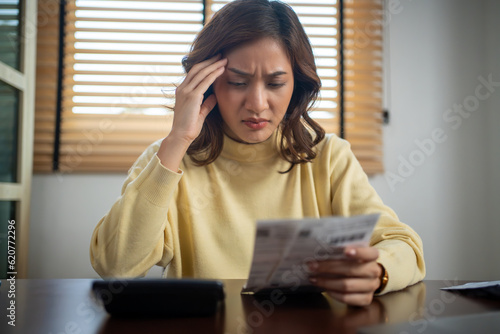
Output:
[[250, 152]]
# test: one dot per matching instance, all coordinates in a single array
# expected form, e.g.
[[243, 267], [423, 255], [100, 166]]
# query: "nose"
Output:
[[256, 99]]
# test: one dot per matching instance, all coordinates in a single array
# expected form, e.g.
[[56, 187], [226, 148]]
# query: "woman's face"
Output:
[[254, 91]]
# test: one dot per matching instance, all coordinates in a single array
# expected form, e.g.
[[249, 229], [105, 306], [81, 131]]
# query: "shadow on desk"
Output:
[[208, 325], [316, 313]]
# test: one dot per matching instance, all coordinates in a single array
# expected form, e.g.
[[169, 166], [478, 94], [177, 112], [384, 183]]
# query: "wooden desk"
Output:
[[66, 306]]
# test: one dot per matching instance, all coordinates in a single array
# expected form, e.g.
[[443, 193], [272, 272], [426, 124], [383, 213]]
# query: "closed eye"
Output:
[[237, 84], [276, 85]]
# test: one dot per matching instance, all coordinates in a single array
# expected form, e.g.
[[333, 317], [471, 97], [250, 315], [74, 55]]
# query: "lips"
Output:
[[256, 123]]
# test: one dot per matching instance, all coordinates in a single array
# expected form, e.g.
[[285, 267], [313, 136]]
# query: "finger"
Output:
[[208, 105], [197, 67], [347, 285], [362, 253], [354, 299], [192, 82], [347, 268], [204, 84]]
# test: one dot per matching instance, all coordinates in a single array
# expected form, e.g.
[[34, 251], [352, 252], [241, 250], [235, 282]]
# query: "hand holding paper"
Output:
[[284, 248], [352, 280]]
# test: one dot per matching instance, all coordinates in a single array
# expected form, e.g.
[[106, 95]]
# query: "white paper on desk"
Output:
[[473, 285], [489, 289], [283, 247]]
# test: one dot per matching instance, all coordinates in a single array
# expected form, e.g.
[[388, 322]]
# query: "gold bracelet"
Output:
[[384, 278]]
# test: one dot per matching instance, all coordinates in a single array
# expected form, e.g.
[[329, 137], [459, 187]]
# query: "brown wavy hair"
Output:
[[243, 21]]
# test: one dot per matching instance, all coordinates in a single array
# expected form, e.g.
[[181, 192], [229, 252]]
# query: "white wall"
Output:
[[493, 8], [65, 210], [437, 51]]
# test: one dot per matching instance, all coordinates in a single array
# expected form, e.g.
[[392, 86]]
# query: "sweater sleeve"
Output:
[[400, 247], [135, 234]]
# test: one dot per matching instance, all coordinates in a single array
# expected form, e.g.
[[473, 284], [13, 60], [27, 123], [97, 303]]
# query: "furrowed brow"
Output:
[[245, 74]]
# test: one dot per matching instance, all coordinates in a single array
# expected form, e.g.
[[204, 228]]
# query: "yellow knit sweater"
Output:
[[200, 222]]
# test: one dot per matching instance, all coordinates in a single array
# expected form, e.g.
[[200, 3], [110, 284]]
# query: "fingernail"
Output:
[[351, 252], [313, 280]]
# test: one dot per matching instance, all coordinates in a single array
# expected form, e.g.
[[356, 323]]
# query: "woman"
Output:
[[243, 148]]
